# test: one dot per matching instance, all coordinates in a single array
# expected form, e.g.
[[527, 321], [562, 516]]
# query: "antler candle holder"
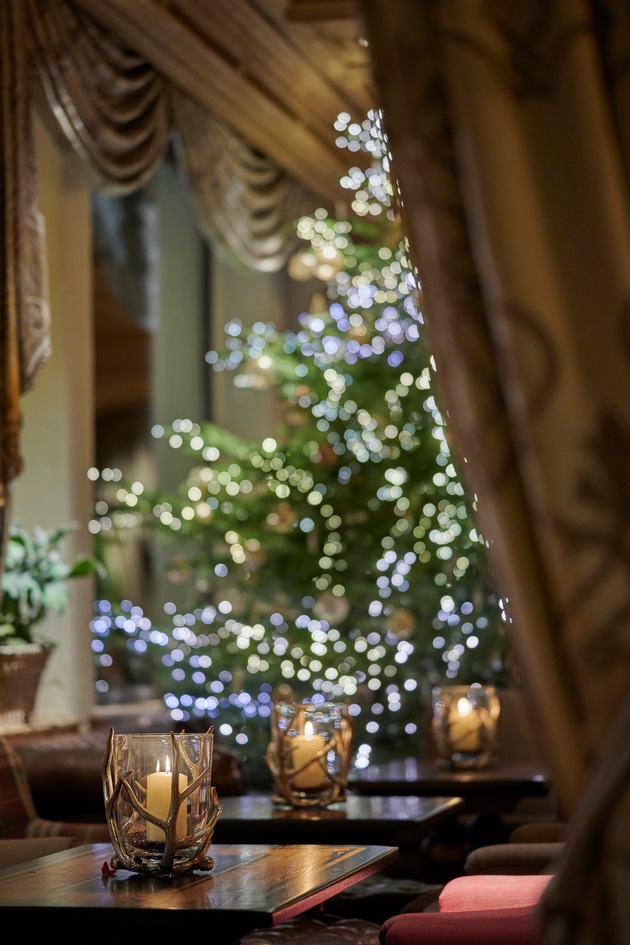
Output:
[[309, 753], [160, 804], [464, 724]]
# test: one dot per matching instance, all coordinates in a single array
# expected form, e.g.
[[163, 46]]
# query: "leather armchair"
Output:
[[19, 817], [531, 848]]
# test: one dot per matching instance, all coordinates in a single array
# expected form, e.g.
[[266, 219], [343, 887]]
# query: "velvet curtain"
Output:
[[120, 116], [509, 128]]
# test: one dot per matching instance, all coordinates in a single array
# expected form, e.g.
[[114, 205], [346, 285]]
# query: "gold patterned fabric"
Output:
[[242, 200], [509, 126], [110, 103]]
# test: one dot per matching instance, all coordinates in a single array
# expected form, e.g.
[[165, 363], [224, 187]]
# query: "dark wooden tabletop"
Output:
[[385, 819], [250, 886], [500, 784]]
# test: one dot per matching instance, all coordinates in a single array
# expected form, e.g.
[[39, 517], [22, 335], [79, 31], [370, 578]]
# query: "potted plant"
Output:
[[33, 585]]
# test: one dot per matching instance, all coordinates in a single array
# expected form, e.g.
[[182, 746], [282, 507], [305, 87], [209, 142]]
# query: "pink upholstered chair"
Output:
[[511, 926], [474, 910]]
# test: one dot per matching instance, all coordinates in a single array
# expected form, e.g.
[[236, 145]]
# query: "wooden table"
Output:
[[250, 886], [384, 819], [494, 799], [496, 788]]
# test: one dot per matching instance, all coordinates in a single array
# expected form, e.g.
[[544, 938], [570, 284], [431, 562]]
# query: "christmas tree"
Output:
[[338, 558]]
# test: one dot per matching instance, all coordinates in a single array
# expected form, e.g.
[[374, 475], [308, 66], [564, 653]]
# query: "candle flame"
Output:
[[464, 707], [167, 765], [308, 730]]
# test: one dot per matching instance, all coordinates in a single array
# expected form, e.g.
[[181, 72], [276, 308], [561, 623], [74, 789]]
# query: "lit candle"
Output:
[[159, 802], [464, 727], [305, 749]]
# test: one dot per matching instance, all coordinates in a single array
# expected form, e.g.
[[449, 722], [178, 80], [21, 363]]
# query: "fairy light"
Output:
[[274, 534]]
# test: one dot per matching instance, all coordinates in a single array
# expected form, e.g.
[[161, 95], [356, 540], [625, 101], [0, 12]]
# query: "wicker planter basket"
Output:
[[20, 671]]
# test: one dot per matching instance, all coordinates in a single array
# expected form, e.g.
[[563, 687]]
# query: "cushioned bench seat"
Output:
[[64, 772]]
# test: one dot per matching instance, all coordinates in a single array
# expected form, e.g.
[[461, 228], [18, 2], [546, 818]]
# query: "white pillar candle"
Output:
[[464, 727], [159, 802], [305, 748]]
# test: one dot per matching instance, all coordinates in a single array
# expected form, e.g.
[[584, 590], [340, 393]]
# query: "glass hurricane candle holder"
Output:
[[309, 753], [464, 725], [160, 804]]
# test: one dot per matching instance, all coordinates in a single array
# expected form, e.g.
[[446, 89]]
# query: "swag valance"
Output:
[[120, 115]]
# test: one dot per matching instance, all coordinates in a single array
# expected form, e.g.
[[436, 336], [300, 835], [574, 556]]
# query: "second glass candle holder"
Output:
[[309, 753], [464, 725]]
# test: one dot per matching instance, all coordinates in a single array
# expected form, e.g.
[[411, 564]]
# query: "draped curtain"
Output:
[[24, 315], [509, 129], [121, 117]]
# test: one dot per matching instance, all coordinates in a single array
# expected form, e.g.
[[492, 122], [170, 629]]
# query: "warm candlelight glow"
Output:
[[159, 787], [464, 727], [464, 707], [305, 749]]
